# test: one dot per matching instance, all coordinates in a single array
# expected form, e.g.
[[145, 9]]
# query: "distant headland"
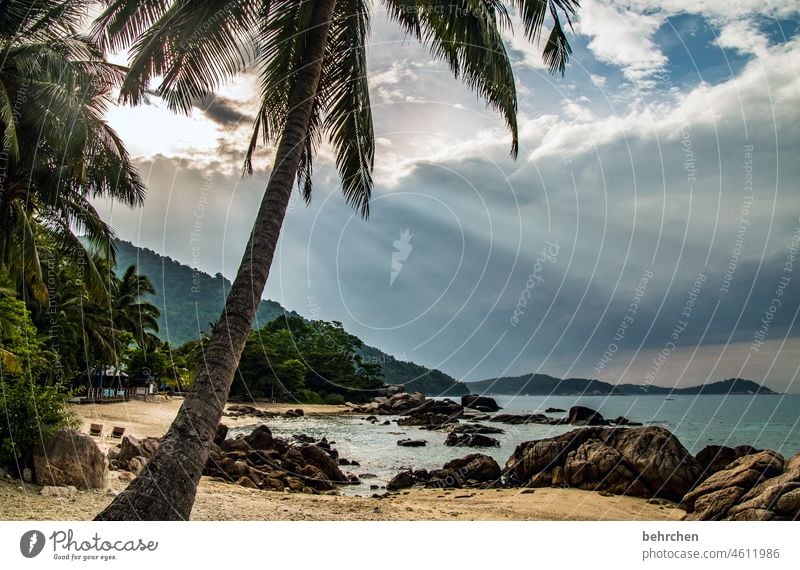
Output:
[[544, 385]]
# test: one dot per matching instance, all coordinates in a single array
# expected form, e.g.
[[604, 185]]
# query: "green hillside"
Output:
[[415, 377], [189, 300]]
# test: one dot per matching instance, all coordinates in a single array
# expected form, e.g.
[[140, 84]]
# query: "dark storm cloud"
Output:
[[222, 111]]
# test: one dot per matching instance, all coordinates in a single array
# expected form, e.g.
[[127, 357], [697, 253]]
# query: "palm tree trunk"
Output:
[[166, 489]]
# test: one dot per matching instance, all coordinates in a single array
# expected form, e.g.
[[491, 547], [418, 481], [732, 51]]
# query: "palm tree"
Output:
[[311, 56], [58, 152], [130, 310]]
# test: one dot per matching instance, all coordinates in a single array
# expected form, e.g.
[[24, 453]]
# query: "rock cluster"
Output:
[[475, 470], [758, 486], [261, 461], [642, 462], [393, 404], [132, 454], [243, 410], [577, 416]]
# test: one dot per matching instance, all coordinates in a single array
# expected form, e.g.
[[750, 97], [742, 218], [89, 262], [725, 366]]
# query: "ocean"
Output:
[[765, 422]]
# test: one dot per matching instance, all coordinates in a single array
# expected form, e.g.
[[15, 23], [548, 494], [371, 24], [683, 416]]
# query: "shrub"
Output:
[[334, 399], [30, 414], [308, 397]]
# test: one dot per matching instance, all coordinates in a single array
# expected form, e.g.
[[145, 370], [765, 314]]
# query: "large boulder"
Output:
[[750, 488], [480, 403], [428, 420], [645, 462], [581, 415], [222, 433], [71, 458], [131, 447], [260, 438], [320, 459], [475, 467], [713, 458], [445, 407], [402, 480]]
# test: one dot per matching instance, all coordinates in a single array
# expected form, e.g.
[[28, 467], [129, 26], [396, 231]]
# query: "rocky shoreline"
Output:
[[612, 458]]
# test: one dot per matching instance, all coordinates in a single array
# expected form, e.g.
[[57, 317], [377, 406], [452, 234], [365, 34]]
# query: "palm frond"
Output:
[[348, 117], [195, 48]]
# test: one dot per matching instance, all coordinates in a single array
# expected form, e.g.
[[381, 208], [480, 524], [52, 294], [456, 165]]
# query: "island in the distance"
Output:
[[544, 385]]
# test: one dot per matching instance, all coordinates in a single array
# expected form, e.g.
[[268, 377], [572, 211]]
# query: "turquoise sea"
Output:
[[766, 422]]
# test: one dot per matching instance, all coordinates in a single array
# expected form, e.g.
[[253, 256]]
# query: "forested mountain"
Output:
[[189, 299]]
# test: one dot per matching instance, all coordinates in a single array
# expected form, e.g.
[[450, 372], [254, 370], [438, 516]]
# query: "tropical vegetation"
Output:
[[64, 312]]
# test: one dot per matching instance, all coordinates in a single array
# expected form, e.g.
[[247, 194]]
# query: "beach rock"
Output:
[[742, 450], [445, 407], [295, 484], [428, 420], [260, 438], [470, 440], [131, 447], [480, 403], [522, 419], [475, 428], [421, 475], [318, 458], [444, 479], [759, 486], [554, 411], [403, 480], [58, 492], [412, 443], [316, 479], [477, 467], [389, 390], [71, 458], [789, 503], [713, 458], [242, 410], [136, 464], [402, 402], [581, 415], [246, 482], [296, 413], [645, 461], [235, 444], [622, 421], [222, 433]]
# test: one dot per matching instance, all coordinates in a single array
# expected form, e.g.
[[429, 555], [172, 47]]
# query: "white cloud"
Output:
[[623, 38], [766, 89], [743, 37]]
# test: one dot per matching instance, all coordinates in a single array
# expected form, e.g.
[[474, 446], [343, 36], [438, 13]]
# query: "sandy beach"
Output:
[[221, 501]]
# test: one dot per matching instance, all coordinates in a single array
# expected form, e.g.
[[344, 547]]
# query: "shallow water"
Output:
[[762, 421]]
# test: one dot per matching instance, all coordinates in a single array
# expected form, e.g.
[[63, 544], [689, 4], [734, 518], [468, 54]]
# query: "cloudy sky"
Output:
[[646, 233]]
